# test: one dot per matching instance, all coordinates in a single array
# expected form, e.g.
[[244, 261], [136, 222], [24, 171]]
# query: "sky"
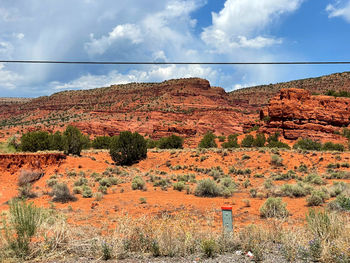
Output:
[[165, 31]]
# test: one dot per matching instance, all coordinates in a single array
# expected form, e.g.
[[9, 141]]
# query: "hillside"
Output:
[[260, 95], [185, 106]]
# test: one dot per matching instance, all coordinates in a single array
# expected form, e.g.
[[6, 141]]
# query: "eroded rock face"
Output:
[[14, 162], [299, 114]]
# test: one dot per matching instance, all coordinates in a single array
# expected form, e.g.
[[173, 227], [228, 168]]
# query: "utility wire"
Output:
[[174, 63]]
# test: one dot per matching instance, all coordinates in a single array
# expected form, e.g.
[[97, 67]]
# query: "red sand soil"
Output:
[[118, 201]]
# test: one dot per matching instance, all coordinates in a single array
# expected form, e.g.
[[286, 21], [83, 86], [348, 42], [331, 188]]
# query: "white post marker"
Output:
[[227, 218]]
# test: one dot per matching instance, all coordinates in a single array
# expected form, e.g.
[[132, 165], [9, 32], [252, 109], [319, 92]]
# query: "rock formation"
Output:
[[186, 107], [299, 114]]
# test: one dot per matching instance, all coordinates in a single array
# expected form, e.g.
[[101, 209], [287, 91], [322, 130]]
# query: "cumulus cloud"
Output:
[[136, 30], [339, 9], [121, 32], [240, 23], [168, 28]]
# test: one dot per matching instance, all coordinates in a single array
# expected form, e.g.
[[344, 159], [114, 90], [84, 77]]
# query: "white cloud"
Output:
[[339, 9], [167, 28], [136, 30], [8, 79], [129, 32], [240, 23], [19, 36]]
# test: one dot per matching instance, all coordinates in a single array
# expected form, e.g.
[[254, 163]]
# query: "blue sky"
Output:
[[167, 30]]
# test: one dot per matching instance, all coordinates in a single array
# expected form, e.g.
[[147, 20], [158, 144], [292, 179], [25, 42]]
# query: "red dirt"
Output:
[[90, 211]]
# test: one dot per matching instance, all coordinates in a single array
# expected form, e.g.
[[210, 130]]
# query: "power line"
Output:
[[174, 63]]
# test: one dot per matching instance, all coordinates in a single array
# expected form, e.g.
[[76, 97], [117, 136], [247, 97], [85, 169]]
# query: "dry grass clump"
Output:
[[324, 238], [29, 176], [61, 193]]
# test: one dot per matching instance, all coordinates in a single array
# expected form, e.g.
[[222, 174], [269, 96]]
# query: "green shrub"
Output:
[[320, 224], [208, 141], [207, 188], [341, 93], [35, 141], [314, 179], [25, 220], [161, 183], [171, 142], [62, 194], [222, 138], [56, 141], [274, 207], [113, 180], [106, 251], [231, 143], [302, 168], [143, 200], [247, 141], [179, 186], [73, 140], [278, 144], [342, 202], [77, 190], [105, 182], [51, 182], [286, 176], [216, 173], [101, 142], [253, 192], [246, 183], [307, 144], [259, 140], [25, 191], [329, 146], [232, 137], [128, 148], [268, 184], [296, 190], [12, 144], [209, 248], [273, 137], [316, 198], [151, 143], [138, 183], [228, 187], [276, 160], [103, 189], [87, 192], [80, 182]]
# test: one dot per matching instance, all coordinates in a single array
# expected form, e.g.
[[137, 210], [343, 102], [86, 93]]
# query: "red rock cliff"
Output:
[[299, 114]]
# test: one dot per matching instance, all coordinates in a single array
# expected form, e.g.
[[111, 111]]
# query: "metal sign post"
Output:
[[227, 218]]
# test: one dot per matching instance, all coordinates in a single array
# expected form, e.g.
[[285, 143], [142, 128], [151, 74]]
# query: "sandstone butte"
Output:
[[297, 114], [186, 107]]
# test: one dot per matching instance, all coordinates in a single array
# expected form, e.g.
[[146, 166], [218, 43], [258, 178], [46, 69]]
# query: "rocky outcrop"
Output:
[[163, 131], [187, 107], [13, 162], [299, 114], [261, 95]]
